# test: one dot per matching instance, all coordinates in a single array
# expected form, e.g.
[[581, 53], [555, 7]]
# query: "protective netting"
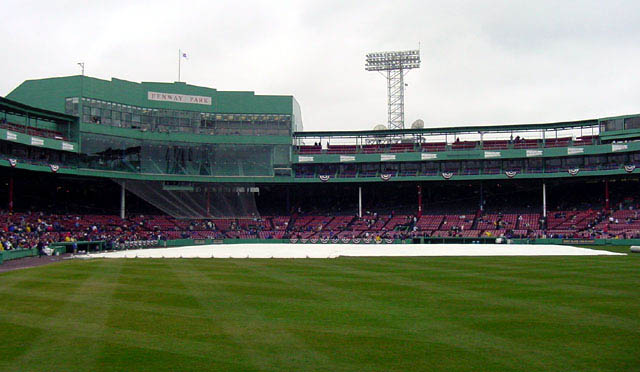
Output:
[[196, 201], [182, 158]]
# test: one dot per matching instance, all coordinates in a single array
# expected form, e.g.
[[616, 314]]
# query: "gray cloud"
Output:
[[483, 61]]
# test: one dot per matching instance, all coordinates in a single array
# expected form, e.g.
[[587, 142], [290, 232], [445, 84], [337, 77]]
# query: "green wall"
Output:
[[51, 93]]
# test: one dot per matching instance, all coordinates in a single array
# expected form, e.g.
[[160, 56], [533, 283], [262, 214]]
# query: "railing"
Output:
[[39, 132], [443, 146]]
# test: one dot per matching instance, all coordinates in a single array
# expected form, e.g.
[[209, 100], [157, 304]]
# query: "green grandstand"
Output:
[[196, 152], [143, 131]]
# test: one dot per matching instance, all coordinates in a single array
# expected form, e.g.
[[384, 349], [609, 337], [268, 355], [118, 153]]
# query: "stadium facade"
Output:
[[197, 152], [176, 131], [158, 130]]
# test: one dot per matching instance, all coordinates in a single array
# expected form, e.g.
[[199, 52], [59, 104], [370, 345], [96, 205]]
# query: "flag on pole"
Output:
[[181, 55]]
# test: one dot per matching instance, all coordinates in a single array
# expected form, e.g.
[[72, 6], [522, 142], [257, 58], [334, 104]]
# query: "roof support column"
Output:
[[544, 200], [481, 197], [419, 200], [208, 203], [11, 193], [606, 195], [360, 201], [122, 200]]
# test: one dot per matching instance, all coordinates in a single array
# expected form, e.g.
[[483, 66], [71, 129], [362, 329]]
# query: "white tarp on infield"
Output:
[[354, 250]]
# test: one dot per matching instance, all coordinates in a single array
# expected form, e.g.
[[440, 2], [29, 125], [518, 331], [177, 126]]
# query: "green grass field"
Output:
[[346, 314]]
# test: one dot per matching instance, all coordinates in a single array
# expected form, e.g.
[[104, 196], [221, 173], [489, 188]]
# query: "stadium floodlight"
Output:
[[396, 65]]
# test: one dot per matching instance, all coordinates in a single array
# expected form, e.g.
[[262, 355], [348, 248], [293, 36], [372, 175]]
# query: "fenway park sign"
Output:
[[179, 98]]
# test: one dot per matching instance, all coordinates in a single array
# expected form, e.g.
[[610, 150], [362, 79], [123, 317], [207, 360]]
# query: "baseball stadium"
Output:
[[173, 227]]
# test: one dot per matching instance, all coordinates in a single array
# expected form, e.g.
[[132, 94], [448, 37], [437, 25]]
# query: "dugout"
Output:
[[87, 246]]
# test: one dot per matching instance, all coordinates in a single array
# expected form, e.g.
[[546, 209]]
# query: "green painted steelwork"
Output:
[[147, 176], [106, 150], [19, 117], [52, 93], [620, 134], [465, 155], [48, 143], [293, 180], [464, 129], [15, 107], [475, 177]]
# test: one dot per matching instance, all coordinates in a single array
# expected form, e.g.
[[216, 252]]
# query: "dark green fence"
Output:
[[17, 253]]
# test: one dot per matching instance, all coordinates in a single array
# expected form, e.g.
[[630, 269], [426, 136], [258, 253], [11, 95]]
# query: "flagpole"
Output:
[[179, 60]]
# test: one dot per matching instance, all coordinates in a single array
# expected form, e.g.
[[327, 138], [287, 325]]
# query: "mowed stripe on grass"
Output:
[[347, 314]]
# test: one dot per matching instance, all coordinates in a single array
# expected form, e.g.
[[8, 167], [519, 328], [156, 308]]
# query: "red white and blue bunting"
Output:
[[54, 168], [573, 171], [313, 240], [293, 240], [388, 241], [324, 177], [629, 168], [335, 240], [366, 240], [385, 176], [13, 162], [355, 240], [324, 240], [511, 174], [447, 175]]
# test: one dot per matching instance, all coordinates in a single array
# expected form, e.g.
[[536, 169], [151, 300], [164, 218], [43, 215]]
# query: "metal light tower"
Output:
[[396, 65]]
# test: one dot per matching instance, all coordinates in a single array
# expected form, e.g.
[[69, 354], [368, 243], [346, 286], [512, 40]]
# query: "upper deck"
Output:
[[475, 142]]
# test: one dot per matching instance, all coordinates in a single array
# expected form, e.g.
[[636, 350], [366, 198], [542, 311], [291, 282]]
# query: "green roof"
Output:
[[17, 108], [50, 94]]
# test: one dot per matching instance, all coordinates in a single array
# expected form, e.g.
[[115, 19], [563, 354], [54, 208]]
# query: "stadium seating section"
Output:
[[517, 143], [27, 229], [39, 132]]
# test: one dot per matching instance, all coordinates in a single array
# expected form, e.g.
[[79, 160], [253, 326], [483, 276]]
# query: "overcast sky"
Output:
[[483, 62]]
